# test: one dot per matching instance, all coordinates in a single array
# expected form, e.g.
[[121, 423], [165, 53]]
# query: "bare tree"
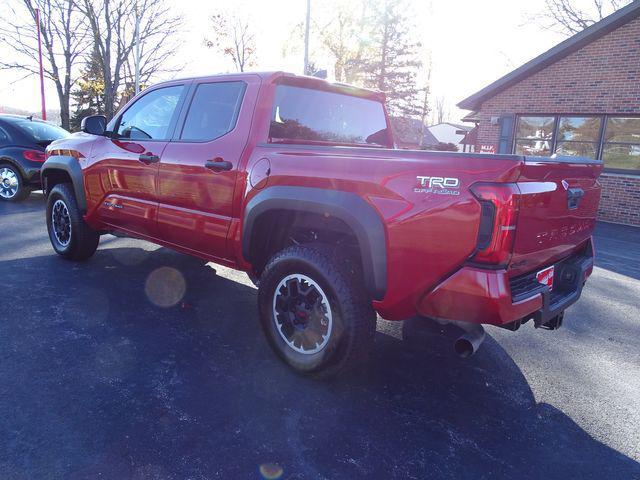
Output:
[[424, 107], [64, 40], [112, 25], [234, 39], [569, 18], [441, 112]]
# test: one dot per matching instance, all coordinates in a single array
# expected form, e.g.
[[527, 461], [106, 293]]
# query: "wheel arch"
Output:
[[7, 160], [352, 210], [59, 168]]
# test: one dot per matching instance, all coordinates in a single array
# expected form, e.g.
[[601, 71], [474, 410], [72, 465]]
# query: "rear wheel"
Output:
[[12, 185], [70, 236], [315, 313]]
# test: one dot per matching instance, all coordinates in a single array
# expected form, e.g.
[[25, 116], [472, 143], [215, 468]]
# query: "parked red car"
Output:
[[296, 181]]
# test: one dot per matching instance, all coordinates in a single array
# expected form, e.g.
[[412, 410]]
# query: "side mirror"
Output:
[[94, 124]]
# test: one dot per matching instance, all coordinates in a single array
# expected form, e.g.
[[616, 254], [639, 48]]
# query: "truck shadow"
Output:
[[97, 379]]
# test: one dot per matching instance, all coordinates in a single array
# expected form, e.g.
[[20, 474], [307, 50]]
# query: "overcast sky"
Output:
[[472, 43]]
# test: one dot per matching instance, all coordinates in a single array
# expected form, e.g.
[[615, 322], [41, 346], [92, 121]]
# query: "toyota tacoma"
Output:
[[296, 181]]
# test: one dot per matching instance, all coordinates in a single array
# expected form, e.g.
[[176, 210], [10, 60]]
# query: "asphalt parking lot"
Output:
[[99, 378]]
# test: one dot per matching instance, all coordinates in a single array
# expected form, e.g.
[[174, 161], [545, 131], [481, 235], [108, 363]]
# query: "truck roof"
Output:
[[297, 80]]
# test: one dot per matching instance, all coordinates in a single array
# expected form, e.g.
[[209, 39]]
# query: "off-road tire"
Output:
[[23, 188], [353, 317], [83, 240]]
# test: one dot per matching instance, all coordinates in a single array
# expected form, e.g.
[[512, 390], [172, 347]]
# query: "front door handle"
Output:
[[218, 164], [149, 158]]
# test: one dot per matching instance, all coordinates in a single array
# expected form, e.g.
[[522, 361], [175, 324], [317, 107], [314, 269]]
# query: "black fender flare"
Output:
[[71, 166], [360, 216]]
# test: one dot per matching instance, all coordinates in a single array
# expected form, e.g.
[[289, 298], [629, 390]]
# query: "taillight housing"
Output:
[[500, 204], [34, 155]]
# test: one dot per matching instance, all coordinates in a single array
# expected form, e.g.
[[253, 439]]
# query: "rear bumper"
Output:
[[486, 296]]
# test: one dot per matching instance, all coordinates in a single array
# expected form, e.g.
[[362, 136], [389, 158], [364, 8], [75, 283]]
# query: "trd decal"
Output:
[[437, 185]]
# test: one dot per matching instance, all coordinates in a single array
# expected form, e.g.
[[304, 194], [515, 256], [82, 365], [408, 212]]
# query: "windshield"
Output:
[[40, 131]]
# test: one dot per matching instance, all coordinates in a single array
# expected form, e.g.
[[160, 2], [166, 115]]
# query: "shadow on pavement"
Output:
[[98, 381]]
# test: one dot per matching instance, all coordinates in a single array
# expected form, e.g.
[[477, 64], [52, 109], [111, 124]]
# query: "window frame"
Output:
[[113, 129], [182, 120], [600, 142]]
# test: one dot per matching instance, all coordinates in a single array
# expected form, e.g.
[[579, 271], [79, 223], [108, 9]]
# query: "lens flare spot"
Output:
[[271, 471], [165, 287]]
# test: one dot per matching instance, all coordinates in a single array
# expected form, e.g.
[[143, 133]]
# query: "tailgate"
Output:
[[558, 207]]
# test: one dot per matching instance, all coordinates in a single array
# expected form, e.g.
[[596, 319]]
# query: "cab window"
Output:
[[149, 117], [213, 111]]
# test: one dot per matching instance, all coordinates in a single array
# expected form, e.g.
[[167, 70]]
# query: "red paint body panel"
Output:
[[430, 238], [121, 190]]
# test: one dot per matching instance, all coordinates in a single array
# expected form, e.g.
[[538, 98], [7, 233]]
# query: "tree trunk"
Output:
[[64, 111]]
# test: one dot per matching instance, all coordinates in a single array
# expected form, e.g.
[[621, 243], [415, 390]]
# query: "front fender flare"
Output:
[[348, 207], [71, 166]]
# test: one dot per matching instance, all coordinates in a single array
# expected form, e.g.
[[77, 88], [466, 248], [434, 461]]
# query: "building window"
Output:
[[621, 147], [578, 136], [615, 140], [534, 135]]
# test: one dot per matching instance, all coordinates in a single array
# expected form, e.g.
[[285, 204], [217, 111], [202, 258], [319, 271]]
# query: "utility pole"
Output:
[[306, 40], [137, 90], [44, 107]]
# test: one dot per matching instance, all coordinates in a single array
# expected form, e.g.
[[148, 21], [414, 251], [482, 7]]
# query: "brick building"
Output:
[[580, 98]]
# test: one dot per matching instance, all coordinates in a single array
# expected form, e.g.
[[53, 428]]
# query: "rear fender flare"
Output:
[[355, 212]]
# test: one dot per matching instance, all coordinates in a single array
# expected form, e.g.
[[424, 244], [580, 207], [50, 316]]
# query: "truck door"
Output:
[[198, 170], [122, 172]]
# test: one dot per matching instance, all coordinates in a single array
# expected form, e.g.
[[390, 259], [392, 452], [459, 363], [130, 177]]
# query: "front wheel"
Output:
[[70, 236], [315, 313]]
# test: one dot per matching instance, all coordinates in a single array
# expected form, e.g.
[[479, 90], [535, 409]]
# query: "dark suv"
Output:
[[22, 144]]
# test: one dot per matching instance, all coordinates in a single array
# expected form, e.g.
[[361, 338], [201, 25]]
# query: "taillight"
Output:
[[500, 203], [34, 155]]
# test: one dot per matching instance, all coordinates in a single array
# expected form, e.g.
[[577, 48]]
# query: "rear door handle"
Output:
[[218, 164], [149, 158]]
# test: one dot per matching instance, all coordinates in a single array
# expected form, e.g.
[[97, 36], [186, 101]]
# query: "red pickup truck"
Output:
[[296, 181]]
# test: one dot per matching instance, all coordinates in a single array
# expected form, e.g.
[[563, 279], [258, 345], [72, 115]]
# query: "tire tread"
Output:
[[84, 240]]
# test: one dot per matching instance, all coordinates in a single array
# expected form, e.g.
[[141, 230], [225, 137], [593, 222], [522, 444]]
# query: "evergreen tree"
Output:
[[88, 97], [393, 61]]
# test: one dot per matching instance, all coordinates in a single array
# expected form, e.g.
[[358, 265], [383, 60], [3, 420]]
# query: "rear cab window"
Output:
[[213, 111], [314, 116]]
